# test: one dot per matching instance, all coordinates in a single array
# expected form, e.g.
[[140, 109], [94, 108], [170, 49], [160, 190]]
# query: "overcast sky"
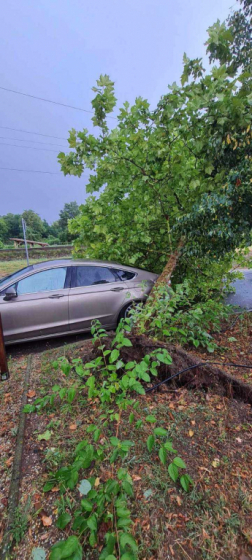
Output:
[[56, 49]]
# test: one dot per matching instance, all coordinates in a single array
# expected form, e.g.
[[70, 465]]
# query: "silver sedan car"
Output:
[[60, 297]]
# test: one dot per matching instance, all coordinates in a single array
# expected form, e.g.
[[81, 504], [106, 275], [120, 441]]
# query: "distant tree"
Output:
[[70, 211], [14, 225], [35, 226], [3, 230]]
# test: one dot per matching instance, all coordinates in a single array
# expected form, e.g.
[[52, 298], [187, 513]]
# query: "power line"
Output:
[[34, 141], [50, 101], [31, 132], [29, 147], [31, 171]]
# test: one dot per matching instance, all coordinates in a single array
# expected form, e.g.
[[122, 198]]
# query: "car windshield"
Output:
[[15, 275]]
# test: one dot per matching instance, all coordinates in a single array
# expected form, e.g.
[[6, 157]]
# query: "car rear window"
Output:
[[125, 274], [93, 275]]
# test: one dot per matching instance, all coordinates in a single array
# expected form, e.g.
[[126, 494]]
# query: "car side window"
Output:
[[93, 275], [125, 275], [46, 280]]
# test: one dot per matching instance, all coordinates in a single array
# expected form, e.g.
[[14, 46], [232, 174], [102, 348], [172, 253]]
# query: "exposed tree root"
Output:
[[205, 377]]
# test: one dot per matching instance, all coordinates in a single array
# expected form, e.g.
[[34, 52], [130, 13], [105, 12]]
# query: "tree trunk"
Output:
[[169, 268], [163, 279]]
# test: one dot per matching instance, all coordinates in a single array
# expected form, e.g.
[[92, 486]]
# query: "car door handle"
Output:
[[117, 289], [56, 296]]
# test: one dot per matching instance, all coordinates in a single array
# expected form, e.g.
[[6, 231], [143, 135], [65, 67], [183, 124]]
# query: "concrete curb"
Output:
[[16, 470]]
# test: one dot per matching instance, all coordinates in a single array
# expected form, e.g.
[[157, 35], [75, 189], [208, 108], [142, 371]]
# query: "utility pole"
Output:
[[26, 248], [4, 371]]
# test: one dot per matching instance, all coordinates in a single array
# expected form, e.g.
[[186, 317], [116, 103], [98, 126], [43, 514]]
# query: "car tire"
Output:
[[125, 312]]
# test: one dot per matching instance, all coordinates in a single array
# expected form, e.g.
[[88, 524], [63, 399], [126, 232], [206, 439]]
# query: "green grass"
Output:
[[8, 267]]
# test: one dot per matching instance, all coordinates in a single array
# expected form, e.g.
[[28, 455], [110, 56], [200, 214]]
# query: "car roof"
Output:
[[76, 262]]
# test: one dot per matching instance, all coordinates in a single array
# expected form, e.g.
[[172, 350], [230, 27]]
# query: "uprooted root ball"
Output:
[[200, 377]]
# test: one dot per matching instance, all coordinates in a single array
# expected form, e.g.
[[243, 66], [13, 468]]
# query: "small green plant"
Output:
[[154, 442], [111, 382], [20, 522], [173, 315]]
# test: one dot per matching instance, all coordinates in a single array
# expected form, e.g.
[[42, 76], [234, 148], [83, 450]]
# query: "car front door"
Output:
[[97, 292], [40, 308]]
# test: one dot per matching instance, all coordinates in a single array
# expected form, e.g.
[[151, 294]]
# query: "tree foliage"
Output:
[[181, 170]]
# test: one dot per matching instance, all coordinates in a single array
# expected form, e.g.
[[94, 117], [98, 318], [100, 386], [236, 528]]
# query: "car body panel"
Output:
[[95, 302], [35, 315]]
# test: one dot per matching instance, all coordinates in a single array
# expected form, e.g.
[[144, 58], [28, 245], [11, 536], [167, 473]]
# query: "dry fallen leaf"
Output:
[[190, 433], [193, 422], [179, 501], [136, 477], [205, 534], [97, 482], [31, 394], [9, 462], [47, 521], [73, 427], [216, 463], [238, 439]]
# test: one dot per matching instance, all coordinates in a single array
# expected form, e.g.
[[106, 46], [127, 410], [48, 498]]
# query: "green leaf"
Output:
[[93, 538], [179, 463], [162, 455], [87, 456], [84, 487], [130, 365], [97, 434], [160, 432], [127, 540], [126, 342], [128, 556], [114, 355], [168, 445], [128, 488], [63, 520], [114, 441], [150, 443], [92, 522], [131, 418], [150, 418], [185, 481], [48, 486], [110, 557], [38, 554], [173, 471], [70, 548], [46, 435], [71, 394], [123, 522], [164, 358], [86, 505], [122, 512], [29, 408]]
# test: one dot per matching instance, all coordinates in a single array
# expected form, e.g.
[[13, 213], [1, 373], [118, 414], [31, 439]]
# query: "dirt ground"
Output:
[[212, 434]]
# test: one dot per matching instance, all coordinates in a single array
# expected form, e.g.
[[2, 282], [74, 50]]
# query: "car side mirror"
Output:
[[10, 293]]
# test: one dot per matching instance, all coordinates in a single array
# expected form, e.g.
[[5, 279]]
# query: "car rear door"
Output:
[[97, 292], [40, 308]]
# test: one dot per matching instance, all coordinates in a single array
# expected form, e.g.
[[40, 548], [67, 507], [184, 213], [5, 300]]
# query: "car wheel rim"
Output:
[[127, 312]]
